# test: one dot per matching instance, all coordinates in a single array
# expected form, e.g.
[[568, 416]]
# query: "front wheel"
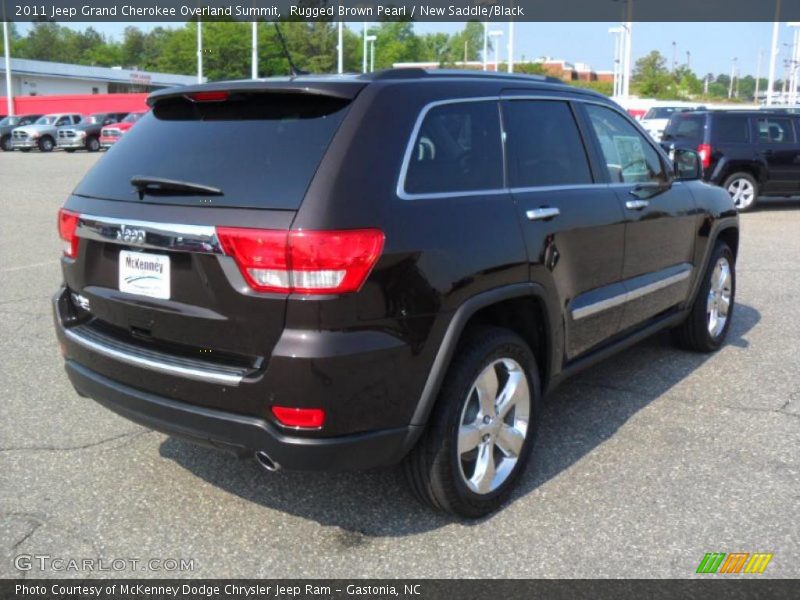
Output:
[[5, 143], [709, 320], [93, 144], [481, 432], [743, 188], [45, 144]]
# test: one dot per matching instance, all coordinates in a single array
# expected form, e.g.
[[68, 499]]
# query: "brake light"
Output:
[[306, 262], [67, 224], [305, 418], [704, 150], [220, 96]]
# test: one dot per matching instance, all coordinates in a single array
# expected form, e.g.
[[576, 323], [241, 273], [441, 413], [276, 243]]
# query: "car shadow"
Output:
[[775, 204], [580, 415]]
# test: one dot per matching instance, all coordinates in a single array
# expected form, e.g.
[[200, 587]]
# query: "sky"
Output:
[[712, 46]]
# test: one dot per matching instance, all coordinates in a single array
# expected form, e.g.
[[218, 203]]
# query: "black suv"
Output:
[[349, 272], [749, 153], [86, 134]]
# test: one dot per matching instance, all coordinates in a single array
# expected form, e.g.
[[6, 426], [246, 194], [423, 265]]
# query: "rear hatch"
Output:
[[685, 130], [150, 264]]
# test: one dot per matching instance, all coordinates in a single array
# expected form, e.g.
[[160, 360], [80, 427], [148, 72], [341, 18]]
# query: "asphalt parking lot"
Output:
[[644, 463]]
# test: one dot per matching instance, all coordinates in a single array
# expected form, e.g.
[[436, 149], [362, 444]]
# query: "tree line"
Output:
[[313, 48]]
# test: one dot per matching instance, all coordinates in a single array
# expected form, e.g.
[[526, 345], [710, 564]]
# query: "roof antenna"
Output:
[[292, 67]]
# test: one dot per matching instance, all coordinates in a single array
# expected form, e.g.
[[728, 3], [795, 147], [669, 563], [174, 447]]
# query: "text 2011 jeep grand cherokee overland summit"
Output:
[[347, 272]]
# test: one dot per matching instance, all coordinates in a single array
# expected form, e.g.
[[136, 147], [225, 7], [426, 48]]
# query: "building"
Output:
[[42, 78], [561, 69]]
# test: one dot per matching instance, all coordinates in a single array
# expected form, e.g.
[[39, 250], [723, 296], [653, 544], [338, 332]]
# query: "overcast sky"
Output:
[[712, 45]]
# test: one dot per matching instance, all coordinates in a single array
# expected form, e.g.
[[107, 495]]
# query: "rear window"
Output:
[[685, 126], [732, 129], [664, 112], [260, 149]]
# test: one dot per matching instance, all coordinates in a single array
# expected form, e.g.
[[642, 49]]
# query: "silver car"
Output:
[[43, 133]]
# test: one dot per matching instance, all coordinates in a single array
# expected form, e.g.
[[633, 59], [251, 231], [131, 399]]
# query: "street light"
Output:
[[371, 41], [485, 44], [511, 46], [9, 92], [340, 49], [617, 33], [733, 76], [773, 56], [496, 33]]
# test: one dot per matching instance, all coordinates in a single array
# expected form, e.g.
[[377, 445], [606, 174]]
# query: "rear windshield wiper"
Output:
[[158, 186]]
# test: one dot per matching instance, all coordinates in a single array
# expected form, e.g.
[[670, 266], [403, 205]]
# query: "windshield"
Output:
[[46, 120], [664, 112], [260, 149], [132, 118], [685, 126]]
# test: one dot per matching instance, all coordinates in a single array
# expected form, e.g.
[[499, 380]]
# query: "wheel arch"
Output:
[[521, 307]]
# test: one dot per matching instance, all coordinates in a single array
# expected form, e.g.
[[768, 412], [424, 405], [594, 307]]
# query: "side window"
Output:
[[731, 129], [77, 119], [544, 144], [775, 130], [62, 121], [628, 156], [457, 149]]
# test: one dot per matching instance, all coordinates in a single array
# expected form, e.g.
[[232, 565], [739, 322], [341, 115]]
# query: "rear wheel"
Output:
[[45, 144], [708, 323], [743, 188], [480, 434], [93, 144], [5, 143]]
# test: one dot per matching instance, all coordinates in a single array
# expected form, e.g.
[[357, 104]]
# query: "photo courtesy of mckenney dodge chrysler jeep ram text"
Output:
[[325, 288]]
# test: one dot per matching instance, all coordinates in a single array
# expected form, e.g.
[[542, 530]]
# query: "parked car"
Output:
[[655, 119], [749, 153], [320, 287], [8, 124], [111, 134], [86, 134], [43, 133]]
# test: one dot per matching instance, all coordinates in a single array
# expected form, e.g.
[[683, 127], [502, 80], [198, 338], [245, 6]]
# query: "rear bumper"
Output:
[[241, 434]]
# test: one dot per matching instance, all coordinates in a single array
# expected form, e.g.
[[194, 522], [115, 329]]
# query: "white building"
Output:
[[42, 78]]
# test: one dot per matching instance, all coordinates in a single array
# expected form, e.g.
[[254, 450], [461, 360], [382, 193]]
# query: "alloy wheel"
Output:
[[719, 297], [743, 193], [493, 426]]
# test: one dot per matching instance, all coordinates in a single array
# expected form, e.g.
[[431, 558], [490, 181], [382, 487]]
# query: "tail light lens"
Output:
[[307, 262], [67, 224], [704, 150], [302, 418]]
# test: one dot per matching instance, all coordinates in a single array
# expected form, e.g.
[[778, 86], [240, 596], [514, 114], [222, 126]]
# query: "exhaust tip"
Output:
[[263, 459]]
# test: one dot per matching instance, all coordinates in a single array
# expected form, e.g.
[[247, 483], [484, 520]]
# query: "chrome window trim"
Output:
[[400, 188], [625, 297], [158, 236]]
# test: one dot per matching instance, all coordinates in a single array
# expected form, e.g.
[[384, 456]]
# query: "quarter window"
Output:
[[775, 131], [731, 129], [458, 148], [544, 144], [628, 156]]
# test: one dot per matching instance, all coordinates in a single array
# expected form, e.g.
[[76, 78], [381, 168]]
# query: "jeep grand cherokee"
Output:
[[354, 271]]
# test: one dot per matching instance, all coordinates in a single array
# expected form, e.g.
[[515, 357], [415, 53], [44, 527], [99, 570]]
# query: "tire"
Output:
[[701, 332], [45, 144], [743, 188], [93, 144], [5, 144], [448, 480]]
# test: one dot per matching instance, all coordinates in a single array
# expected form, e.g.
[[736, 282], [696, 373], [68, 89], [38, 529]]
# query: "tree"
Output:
[[651, 77]]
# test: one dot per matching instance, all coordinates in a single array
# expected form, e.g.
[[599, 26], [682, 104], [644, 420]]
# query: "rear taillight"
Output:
[[302, 418], [306, 262], [212, 96], [704, 150], [67, 224]]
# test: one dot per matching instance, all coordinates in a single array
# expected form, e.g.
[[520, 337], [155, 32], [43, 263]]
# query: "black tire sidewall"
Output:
[[699, 313], [93, 144], [5, 143], [45, 144], [742, 175]]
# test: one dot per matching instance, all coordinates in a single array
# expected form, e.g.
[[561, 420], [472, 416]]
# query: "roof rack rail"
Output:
[[419, 72]]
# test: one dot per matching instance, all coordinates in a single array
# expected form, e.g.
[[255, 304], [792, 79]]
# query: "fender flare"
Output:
[[455, 328]]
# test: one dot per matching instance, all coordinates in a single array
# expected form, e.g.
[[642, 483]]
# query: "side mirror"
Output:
[[687, 164]]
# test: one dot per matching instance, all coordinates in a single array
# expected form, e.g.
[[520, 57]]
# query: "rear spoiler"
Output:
[[344, 90]]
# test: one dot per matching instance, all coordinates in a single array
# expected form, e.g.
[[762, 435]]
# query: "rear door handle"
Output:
[[637, 204], [543, 213]]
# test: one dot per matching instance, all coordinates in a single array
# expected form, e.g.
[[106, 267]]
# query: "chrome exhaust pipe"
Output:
[[263, 459]]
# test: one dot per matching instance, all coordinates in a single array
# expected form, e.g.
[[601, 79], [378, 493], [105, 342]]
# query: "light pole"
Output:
[[9, 91], [340, 50], [733, 76], [773, 56], [511, 47], [758, 74], [364, 57], [617, 33], [254, 53], [674, 56], [371, 41], [485, 44], [199, 51], [496, 33], [688, 60], [795, 63]]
